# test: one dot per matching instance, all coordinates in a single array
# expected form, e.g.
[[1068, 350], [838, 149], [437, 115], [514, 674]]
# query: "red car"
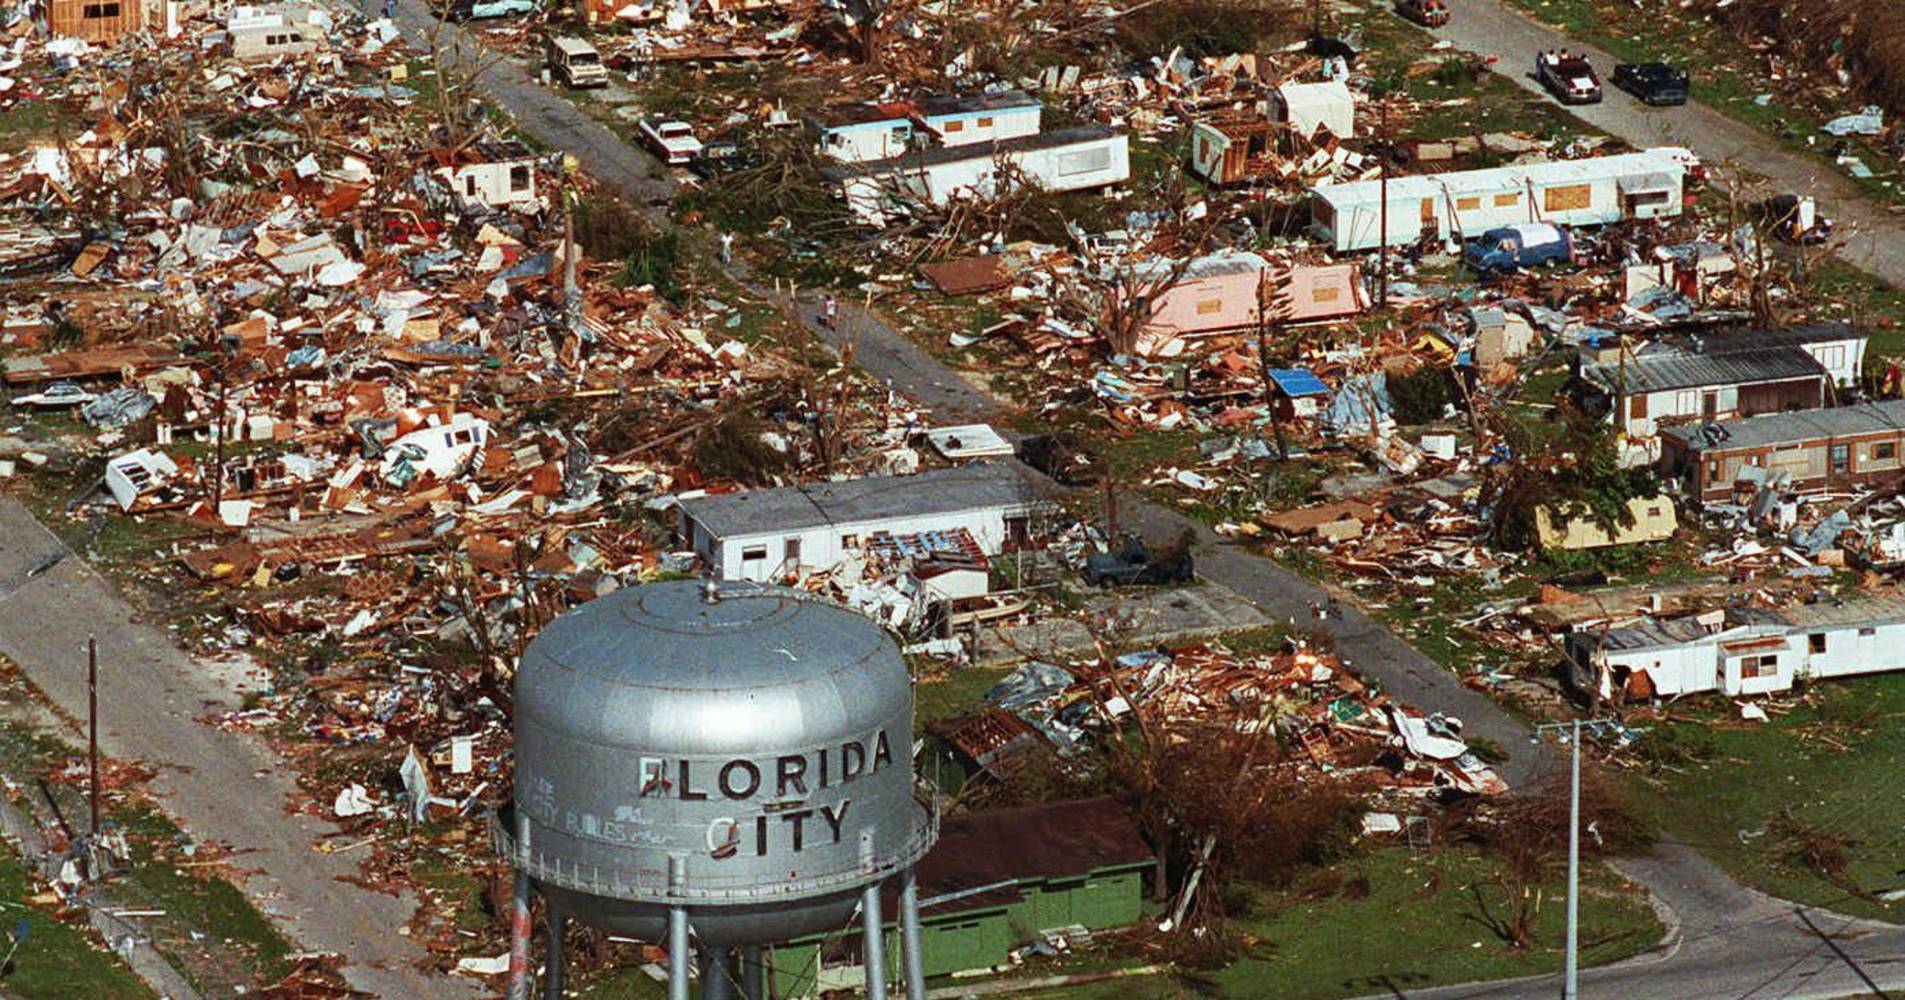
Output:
[[1428, 13], [1568, 77]]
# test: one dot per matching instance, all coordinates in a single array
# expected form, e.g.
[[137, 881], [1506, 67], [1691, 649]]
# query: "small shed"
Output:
[[1235, 148], [1300, 394], [100, 22], [1312, 106], [1501, 334]]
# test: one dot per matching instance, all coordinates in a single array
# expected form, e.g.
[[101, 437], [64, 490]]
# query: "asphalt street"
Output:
[[1874, 239], [222, 787], [1729, 942]]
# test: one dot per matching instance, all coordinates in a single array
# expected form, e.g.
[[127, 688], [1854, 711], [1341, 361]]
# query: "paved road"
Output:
[[1372, 649], [1730, 944], [220, 786], [1729, 935], [1876, 238]]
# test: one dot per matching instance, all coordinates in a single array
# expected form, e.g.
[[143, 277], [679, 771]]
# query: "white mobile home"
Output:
[[1073, 159], [858, 133], [965, 119], [1743, 651], [794, 530], [1467, 203]]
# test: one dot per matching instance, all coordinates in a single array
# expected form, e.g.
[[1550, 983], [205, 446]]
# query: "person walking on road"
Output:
[[727, 248], [829, 311], [390, 10]]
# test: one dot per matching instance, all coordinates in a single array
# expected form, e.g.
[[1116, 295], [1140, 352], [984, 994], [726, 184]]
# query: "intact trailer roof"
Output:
[[1519, 176]]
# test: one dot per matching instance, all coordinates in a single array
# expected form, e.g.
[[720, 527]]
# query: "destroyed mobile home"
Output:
[[392, 413], [1346, 731]]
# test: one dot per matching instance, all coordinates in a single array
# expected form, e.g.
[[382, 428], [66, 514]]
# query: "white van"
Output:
[[265, 42], [576, 63]]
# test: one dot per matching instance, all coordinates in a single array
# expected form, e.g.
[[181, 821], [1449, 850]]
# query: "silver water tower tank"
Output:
[[730, 763]]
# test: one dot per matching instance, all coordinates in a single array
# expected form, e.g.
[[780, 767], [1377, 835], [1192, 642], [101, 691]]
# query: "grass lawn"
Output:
[[1731, 804], [622, 984], [57, 961], [31, 122], [210, 932], [1423, 921], [1460, 104]]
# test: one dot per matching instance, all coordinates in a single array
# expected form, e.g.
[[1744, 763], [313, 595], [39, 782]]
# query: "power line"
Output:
[[1832, 943]]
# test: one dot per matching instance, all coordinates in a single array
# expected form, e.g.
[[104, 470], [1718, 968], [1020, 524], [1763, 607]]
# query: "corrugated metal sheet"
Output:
[[1775, 429], [1661, 372]]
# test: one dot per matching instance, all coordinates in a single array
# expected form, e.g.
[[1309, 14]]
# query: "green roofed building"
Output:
[[995, 880]]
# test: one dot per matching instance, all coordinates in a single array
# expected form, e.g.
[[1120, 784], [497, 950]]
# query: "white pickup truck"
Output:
[[674, 140]]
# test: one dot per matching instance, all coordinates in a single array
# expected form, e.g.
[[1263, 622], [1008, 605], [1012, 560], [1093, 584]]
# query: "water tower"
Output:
[[716, 767]]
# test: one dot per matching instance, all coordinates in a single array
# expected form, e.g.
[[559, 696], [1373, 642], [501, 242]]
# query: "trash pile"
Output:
[[343, 353], [1348, 730]]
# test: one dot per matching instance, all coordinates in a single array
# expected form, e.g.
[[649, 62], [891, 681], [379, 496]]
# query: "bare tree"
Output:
[[458, 66], [1527, 834]]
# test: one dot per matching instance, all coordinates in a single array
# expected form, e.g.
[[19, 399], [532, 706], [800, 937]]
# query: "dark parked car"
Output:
[[1654, 83], [1568, 77], [723, 156], [1134, 562], [1794, 219], [1061, 457], [1428, 13]]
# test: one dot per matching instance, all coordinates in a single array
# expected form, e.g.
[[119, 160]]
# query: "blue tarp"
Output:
[[1294, 382], [1359, 405]]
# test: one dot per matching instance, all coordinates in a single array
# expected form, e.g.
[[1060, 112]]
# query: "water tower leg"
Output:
[[557, 925], [910, 952], [717, 974], [678, 953], [872, 928], [753, 974], [519, 925]]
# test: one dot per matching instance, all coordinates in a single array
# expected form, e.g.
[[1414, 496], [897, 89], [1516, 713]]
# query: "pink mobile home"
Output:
[[1219, 294]]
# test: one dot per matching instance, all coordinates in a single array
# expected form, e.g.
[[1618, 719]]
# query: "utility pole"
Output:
[[1382, 150], [1570, 975], [1570, 984], [92, 724]]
